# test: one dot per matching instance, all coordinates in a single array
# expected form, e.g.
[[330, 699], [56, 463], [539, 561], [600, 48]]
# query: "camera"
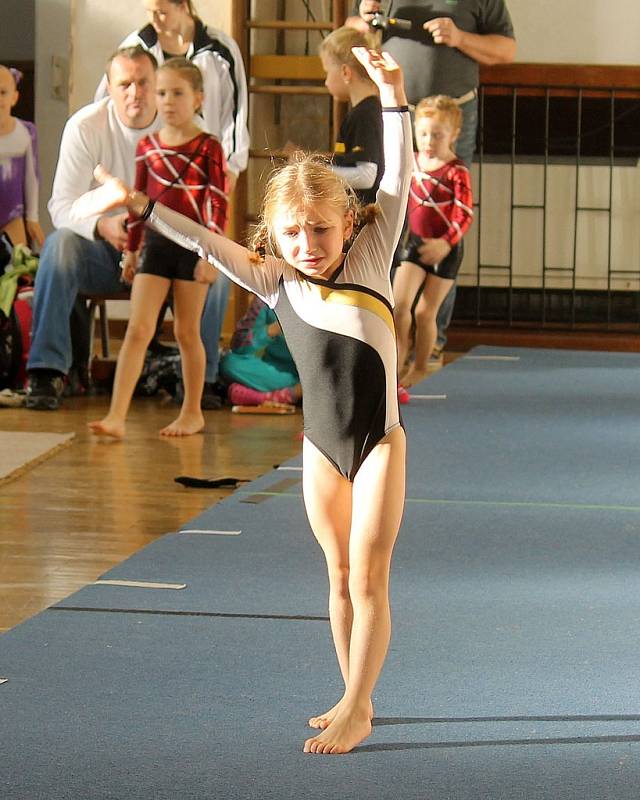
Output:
[[383, 22]]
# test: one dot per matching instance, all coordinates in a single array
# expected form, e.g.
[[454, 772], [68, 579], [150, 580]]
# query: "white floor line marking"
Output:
[[293, 469], [141, 584], [4, 680], [211, 533], [491, 358], [428, 396]]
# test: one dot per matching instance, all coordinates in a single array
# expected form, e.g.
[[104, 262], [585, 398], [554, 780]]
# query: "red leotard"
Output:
[[440, 202], [189, 178]]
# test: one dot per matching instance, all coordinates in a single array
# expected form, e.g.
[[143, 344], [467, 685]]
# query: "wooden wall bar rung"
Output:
[[275, 24], [300, 68], [592, 76], [302, 89]]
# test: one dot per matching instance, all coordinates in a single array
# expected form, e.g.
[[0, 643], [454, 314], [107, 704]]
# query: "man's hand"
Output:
[[433, 251], [368, 8], [112, 230], [444, 31], [485, 48]]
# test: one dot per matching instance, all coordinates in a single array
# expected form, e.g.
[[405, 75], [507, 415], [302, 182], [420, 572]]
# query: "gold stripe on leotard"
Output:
[[351, 297]]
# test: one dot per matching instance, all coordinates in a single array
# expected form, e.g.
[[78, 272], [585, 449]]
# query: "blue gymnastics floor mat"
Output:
[[103, 706]]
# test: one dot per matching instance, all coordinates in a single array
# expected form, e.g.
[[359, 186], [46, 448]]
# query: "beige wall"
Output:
[[53, 40], [98, 27], [577, 31]]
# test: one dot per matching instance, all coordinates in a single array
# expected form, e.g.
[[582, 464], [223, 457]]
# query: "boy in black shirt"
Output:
[[358, 151]]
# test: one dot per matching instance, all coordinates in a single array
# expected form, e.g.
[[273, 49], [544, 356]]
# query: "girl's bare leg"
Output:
[[16, 231], [377, 504], [426, 313], [188, 302], [327, 498], [147, 296], [406, 282]]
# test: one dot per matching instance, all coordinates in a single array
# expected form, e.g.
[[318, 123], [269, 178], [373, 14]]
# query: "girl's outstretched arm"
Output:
[[236, 261]]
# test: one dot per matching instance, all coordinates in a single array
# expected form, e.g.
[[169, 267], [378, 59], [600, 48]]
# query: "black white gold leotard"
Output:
[[340, 331]]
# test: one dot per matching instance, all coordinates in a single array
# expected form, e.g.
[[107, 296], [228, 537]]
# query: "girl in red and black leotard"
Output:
[[185, 168], [440, 212]]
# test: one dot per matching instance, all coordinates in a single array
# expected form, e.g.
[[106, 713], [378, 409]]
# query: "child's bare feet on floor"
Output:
[[323, 721], [184, 425], [345, 732], [414, 376], [108, 427]]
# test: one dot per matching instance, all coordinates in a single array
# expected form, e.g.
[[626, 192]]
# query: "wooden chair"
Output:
[[99, 301]]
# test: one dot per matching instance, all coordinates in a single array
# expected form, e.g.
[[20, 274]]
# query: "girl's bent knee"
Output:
[[187, 338], [140, 333], [401, 310], [369, 586], [339, 580]]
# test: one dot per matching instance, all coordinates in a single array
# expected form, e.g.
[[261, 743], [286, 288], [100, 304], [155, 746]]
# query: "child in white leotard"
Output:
[[336, 313], [18, 167]]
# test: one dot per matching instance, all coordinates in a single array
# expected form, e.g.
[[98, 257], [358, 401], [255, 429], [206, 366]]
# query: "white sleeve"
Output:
[[262, 278], [31, 185], [74, 175], [374, 246], [362, 176], [234, 130]]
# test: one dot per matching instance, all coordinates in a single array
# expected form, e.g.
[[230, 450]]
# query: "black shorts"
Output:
[[448, 268], [160, 256]]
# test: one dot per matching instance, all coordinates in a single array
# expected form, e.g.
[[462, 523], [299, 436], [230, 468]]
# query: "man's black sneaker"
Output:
[[45, 390]]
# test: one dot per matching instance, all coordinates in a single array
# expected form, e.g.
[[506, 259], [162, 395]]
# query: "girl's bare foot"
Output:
[[414, 376], [108, 427], [184, 425], [323, 721], [345, 732]]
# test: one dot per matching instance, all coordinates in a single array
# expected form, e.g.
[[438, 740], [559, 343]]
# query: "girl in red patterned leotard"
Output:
[[184, 167], [439, 214]]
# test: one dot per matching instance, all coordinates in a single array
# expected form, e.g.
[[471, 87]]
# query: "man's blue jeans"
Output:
[[72, 265], [211, 325]]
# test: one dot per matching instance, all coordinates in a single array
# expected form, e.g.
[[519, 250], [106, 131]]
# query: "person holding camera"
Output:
[[440, 45]]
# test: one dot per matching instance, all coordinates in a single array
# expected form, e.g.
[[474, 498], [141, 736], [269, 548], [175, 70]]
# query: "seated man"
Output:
[[83, 257]]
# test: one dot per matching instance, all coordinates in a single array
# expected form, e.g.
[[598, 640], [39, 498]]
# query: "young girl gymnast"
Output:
[[18, 167], [185, 167], [336, 312], [439, 214]]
